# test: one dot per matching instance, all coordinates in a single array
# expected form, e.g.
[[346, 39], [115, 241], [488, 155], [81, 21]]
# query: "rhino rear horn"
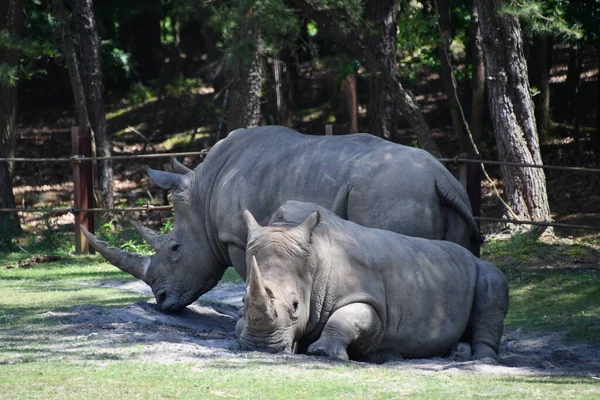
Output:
[[133, 264], [260, 312], [179, 167], [155, 240]]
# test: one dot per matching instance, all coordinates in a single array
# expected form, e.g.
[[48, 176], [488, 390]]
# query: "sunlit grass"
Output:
[[261, 380]]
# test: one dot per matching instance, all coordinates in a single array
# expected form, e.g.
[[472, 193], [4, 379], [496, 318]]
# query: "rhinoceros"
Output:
[[327, 286], [360, 177]]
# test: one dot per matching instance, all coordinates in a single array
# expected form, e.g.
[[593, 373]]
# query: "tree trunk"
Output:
[[512, 112], [89, 47], [477, 80], [285, 73], [353, 44], [382, 19], [539, 78], [70, 55], [11, 21], [245, 88], [448, 78], [349, 102]]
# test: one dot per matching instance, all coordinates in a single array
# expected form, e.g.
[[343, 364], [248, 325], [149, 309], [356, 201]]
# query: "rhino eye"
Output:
[[175, 247], [295, 305]]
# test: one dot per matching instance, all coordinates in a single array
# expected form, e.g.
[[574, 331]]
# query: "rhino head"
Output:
[[184, 266], [278, 286]]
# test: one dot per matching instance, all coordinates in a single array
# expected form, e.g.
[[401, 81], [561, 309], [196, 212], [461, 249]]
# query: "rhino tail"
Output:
[[450, 192], [340, 203]]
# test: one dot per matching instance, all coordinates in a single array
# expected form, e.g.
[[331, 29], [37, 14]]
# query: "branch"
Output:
[[354, 45]]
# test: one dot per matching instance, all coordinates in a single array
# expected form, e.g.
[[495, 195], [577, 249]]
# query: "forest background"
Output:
[[513, 80]]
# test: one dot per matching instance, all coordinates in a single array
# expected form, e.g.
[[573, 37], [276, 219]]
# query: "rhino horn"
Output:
[[179, 167], [155, 240], [261, 314], [133, 264]]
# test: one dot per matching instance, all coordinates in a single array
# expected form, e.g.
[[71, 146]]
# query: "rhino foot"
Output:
[[487, 355], [328, 349], [461, 351]]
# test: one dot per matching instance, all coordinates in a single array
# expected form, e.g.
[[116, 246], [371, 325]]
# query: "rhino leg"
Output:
[[489, 309], [355, 327]]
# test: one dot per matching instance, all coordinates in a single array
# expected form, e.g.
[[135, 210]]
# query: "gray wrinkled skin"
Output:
[[344, 291], [360, 177]]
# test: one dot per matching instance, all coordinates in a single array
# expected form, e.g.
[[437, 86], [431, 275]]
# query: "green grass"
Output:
[[548, 291], [37, 362], [262, 380]]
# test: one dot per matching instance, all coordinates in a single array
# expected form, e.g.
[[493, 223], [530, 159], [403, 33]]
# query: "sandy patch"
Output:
[[205, 332]]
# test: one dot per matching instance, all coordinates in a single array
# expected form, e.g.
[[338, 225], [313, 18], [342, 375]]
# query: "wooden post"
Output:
[[470, 178], [336, 129], [81, 145]]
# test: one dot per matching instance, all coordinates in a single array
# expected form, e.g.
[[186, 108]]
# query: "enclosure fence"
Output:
[[469, 175]]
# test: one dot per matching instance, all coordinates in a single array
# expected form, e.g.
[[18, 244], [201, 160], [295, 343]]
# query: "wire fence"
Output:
[[148, 208]]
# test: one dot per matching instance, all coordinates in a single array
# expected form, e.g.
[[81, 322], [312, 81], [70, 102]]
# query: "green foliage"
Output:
[[545, 17], [138, 93], [117, 64], [50, 239], [418, 39], [124, 237], [183, 86]]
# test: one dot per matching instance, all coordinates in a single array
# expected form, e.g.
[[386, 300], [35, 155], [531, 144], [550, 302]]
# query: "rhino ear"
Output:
[[309, 224], [179, 167], [250, 222], [165, 180]]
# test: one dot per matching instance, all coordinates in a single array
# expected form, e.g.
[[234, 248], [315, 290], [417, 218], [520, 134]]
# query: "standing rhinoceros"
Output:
[[360, 177], [343, 289]]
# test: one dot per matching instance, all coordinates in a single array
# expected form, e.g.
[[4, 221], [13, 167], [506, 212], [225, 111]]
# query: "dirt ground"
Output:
[[204, 333]]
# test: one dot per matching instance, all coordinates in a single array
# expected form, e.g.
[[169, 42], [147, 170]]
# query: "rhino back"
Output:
[[384, 185]]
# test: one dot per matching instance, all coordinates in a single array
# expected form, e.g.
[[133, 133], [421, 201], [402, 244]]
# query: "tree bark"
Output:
[[382, 21], [539, 64], [285, 73], [477, 80], [70, 55], [89, 47], [349, 106], [512, 112], [11, 21], [448, 78], [246, 85], [354, 45]]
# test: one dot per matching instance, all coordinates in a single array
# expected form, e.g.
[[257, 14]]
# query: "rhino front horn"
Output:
[[155, 240], [260, 313], [133, 264]]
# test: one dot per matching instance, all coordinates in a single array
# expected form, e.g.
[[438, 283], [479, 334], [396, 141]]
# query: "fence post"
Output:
[[336, 129], [470, 178], [83, 189]]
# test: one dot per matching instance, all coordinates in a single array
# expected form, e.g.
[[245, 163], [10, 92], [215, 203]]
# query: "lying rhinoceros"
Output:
[[360, 177], [345, 290]]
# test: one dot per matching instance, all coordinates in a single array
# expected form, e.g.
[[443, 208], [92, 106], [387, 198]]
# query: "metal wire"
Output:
[[150, 208], [77, 158], [460, 160]]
